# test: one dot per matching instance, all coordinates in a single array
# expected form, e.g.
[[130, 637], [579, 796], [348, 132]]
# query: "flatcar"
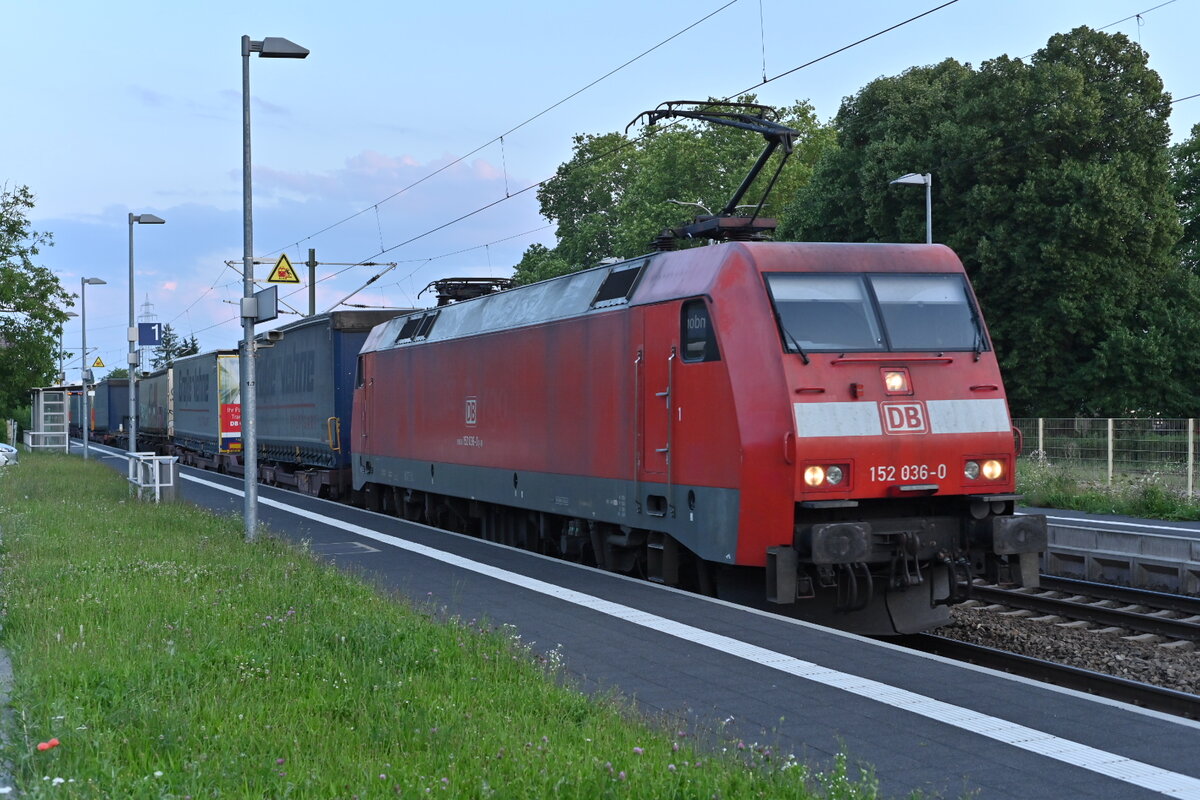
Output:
[[819, 429]]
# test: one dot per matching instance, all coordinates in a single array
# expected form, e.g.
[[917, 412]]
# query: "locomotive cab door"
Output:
[[656, 362]]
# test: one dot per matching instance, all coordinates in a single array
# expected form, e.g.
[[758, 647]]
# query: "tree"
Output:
[[1051, 183], [171, 347], [120, 373], [538, 264], [1185, 180], [614, 195], [32, 303]]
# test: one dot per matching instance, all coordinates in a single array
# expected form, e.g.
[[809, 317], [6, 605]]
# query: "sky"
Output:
[[385, 143]]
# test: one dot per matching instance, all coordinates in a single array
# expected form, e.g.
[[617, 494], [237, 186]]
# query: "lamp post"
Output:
[[62, 373], [134, 361], [270, 47], [85, 374], [917, 179]]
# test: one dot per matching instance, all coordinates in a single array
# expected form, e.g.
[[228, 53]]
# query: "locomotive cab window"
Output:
[[358, 374], [870, 312], [698, 335]]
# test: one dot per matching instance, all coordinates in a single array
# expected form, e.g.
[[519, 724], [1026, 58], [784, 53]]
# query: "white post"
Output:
[[1110, 451], [1041, 436], [1191, 468]]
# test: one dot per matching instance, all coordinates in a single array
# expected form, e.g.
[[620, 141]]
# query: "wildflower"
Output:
[[280, 760], [637, 751], [621, 775], [158, 773], [671, 767], [57, 781]]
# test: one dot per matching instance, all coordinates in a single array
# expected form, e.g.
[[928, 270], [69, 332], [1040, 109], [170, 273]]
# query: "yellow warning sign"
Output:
[[283, 272], [98, 362]]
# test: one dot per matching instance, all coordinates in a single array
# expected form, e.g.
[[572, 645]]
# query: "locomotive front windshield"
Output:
[[866, 312]]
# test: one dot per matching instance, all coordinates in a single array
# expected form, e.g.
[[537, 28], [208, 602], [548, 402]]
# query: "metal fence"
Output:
[[1159, 450]]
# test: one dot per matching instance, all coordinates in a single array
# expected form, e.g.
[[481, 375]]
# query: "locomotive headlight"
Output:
[[833, 475], [971, 470], [895, 381], [993, 469], [815, 476]]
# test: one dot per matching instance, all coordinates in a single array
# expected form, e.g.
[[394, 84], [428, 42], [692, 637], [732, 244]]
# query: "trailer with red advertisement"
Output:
[[206, 410]]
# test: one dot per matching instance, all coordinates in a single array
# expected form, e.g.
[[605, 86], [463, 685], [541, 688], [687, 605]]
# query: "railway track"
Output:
[[1119, 608], [1155, 698]]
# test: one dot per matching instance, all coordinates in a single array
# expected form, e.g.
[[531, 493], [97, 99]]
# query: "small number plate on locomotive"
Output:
[[908, 472]]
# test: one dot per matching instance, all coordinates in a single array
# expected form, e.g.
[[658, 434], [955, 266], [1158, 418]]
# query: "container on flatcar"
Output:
[[207, 406], [110, 409], [305, 394], [155, 410], [817, 428]]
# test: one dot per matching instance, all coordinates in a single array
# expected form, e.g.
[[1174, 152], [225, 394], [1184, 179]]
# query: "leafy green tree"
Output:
[[171, 346], [120, 373], [1051, 183], [32, 303], [616, 193], [538, 264], [1185, 179]]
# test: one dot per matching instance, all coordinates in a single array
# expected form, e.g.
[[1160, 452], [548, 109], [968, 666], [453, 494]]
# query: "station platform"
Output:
[[921, 722]]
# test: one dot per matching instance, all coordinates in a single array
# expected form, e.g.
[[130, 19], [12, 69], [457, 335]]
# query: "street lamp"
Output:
[[62, 373], [917, 179], [134, 361], [271, 47], [85, 374]]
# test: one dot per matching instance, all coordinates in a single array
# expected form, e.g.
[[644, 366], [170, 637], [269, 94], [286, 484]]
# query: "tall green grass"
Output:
[[172, 660], [1049, 485]]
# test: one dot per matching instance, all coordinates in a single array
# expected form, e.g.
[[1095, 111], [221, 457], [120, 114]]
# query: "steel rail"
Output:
[[1144, 695], [1181, 603], [1089, 612]]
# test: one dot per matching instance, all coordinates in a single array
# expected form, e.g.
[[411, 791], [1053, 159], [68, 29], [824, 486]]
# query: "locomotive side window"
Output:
[[927, 312], [618, 284], [426, 325], [358, 374], [825, 312], [409, 328], [698, 335]]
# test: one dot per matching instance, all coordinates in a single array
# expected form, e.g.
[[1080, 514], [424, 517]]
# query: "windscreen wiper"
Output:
[[790, 341]]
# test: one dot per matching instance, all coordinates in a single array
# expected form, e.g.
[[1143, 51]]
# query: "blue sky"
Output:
[[123, 107]]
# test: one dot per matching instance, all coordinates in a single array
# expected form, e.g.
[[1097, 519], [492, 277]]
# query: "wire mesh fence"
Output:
[[1107, 450]]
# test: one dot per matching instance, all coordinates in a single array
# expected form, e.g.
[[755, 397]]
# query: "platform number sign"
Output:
[[149, 334]]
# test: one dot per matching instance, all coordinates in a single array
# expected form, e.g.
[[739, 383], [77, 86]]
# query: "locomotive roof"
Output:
[[653, 278]]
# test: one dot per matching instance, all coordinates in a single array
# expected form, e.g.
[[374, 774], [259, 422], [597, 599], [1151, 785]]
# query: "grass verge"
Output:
[[1049, 485], [171, 660]]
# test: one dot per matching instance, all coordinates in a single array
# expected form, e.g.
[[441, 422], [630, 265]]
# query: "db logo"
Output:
[[472, 410], [904, 418]]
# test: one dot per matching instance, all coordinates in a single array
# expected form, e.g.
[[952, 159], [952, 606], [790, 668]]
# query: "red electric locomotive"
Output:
[[818, 428]]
